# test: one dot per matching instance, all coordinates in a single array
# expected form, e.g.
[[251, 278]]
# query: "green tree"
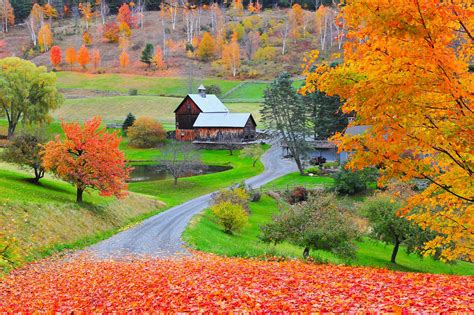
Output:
[[25, 151], [254, 152], [27, 93], [318, 223], [350, 182], [326, 117], [284, 112], [387, 226], [128, 122], [147, 54]]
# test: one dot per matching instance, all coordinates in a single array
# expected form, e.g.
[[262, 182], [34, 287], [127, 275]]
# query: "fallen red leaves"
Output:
[[210, 283]]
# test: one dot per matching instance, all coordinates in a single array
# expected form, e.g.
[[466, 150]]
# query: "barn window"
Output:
[[188, 107]]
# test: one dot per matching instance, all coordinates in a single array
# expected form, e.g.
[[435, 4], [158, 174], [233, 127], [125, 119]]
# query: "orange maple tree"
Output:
[[55, 56], [70, 56], [158, 60], [231, 55], [111, 32], [124, 60], [95, 58], [405, 74], [125, 16], [83, 57], [88, 157]]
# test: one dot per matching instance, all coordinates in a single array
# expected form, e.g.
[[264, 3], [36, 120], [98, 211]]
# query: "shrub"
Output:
[[111, 32], [133, 92], [313, 170], [298, 194], [214, 89], [236, 196], [265, 54], [319, 223], [146, 133], [25, 152], [331, 165], [232, 217], [348, 182], [128, 122]]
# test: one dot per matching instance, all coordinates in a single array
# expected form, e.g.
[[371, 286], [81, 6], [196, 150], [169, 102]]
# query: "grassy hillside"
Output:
[[206, 235], [116, 108], [44, 218], [146, 85]]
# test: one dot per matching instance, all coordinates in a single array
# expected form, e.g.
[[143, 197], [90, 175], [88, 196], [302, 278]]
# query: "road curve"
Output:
[[160, 235]]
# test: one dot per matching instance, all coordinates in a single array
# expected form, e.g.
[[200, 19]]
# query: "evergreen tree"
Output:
[[128, 122], [326, 118], [284, 113], [147, 54]]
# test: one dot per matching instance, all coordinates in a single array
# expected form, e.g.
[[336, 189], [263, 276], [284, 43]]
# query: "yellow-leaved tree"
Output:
[[405, 74]]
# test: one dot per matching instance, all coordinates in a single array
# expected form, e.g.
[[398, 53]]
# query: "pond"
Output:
[[142, 173]]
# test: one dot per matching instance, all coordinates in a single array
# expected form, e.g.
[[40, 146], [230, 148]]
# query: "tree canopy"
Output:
[[405, 73], [27, 93]]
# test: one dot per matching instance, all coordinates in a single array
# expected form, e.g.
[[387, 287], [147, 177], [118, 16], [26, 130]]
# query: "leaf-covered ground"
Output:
[[211, 283]]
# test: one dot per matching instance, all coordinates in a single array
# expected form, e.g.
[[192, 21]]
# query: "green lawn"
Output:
[[145, 85], [252, 92], [295, 179], [204, 234]]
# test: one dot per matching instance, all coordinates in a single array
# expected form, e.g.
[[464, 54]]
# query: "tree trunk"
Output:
[[176, 180], [39, 173], [395, 252], [79, 195], [11, 130], [306, 253], [255, 162], [300, 166]]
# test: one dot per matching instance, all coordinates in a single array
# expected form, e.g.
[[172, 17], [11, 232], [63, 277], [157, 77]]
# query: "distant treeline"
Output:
[[23, 7]]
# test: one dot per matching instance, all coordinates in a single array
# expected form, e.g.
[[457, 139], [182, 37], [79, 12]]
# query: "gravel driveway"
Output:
[[160, 235]]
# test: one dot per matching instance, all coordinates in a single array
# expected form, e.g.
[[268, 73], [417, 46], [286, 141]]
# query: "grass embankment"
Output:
[[45, 218], [205, 234], [253, 92], [295, 179]]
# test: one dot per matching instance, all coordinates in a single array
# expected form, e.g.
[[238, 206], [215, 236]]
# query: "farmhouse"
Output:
[[203, 117]]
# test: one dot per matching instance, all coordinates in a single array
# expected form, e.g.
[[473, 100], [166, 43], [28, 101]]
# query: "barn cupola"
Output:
[[202, 90]]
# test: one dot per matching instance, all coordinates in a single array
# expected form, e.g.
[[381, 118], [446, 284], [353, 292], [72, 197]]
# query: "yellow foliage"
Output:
[[45, 38], [403, 76], [231, 216]]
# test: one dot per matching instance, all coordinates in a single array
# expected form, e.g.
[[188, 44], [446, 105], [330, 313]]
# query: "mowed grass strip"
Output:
[[146, 85], [206, 235]]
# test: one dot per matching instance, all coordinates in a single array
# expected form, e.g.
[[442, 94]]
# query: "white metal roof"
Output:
[[357, 130], [209, 103], [221, 120]]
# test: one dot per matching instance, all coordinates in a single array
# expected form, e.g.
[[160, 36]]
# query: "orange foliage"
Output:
[[111, 32], [406, 75], [7, 15], [55, 56], [71, 56], [124, 59], [158, 59], [212, 284], [88, 157], [125, 16], [207, 47], [95, 58], [231, 55], [83, 57]]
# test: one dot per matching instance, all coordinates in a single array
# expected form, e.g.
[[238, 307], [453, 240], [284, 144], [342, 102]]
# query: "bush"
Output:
[[313, 170], [236, 196], [331, 165], [133, 92], [214, 89], [348, 182], [146, 133], [298, 194], [232, 217], [319, 223], [265, 54], [128, 122]]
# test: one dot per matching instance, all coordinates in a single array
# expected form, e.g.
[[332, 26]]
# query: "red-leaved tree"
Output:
[[55, 56], [88, 157]]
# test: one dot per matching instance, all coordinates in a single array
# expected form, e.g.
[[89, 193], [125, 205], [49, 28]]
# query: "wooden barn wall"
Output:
[[186, 114], [250, 129], [219, 134], [185, 134]]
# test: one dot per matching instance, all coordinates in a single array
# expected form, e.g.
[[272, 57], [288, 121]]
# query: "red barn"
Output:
[[202, 117]]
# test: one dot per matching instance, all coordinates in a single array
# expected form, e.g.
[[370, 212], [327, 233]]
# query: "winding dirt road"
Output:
[[160, 235]]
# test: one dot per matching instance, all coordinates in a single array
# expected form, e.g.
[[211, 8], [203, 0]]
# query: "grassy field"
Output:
[[116, 108], [45, 218], [146, 85], [295, 179], [252, 92], [205, 234]]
